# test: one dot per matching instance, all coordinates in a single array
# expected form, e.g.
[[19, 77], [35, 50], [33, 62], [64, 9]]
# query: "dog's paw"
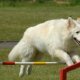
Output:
[[29, 69], [21, 74], [28, 72]]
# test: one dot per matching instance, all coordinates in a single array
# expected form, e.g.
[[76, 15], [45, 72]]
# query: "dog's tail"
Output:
[[13, 54]]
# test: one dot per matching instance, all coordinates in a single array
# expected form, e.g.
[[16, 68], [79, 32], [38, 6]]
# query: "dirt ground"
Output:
[[7, 44]]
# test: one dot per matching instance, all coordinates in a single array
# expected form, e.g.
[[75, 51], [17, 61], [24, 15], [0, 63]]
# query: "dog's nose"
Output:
[[74, 38]]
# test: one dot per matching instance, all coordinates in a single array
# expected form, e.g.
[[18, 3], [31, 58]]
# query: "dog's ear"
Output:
[[71, 23], [78, 20]]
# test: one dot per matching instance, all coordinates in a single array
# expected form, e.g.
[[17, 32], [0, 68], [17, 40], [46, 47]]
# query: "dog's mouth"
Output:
[[77, 41]]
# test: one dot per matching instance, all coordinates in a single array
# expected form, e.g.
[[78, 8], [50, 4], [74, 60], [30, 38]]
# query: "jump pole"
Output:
[[28, 63]]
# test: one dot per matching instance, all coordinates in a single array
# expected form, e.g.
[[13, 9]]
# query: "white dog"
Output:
[[56, 37]]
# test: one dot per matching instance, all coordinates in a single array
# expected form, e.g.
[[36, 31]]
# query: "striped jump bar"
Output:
[[27, 63]]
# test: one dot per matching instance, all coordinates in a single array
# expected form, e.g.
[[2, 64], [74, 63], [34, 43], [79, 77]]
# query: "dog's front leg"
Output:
[[63, 56], [75, 57]]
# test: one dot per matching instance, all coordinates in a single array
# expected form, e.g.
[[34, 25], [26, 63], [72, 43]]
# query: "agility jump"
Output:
[[63, 72], [28, 63]]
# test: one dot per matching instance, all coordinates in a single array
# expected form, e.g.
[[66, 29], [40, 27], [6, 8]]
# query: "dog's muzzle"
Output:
[[77, 41]]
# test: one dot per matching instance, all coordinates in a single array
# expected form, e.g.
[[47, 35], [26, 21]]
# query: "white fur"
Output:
[[54, 37]]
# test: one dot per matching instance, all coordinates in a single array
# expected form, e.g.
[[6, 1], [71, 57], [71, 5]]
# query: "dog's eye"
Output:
[[78, 32]]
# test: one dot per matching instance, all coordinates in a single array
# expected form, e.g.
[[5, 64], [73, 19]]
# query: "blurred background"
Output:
[[23, 2], [17, 15]]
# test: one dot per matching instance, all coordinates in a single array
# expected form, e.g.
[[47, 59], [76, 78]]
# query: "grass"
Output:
[[39, 72], [15, 20], [74, 74]]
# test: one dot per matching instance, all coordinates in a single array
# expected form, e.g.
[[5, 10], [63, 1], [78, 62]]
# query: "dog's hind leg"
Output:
[[25, 68], [28, 69], [36, 57], [22, 69]]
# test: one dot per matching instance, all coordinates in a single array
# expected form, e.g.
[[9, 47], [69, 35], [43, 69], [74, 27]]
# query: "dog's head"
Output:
[[74, 29]]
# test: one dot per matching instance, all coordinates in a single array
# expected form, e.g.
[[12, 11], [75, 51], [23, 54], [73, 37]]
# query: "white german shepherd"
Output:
[[56, 37]]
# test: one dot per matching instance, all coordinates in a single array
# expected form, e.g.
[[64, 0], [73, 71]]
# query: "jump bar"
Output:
[[28, 63]]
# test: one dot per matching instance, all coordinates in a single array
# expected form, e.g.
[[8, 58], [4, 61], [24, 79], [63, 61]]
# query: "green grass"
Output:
[[39, 72], [74, 75], [14, 20]]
